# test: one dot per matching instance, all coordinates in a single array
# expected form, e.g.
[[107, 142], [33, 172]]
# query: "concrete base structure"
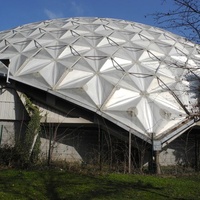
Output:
[[180, 152]]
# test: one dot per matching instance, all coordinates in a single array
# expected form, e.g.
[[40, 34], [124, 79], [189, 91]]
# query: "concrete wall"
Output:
[[7, 136], [10, 130], [61, 152], [11, 108], [181, 151]]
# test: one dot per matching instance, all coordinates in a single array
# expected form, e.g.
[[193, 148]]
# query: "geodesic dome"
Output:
[[139, 77]]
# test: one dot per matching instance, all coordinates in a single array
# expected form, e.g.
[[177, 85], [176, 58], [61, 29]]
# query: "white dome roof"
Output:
[[134, 75]]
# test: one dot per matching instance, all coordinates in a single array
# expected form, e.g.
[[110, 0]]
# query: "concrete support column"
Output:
[[157, 162], [154, 163]]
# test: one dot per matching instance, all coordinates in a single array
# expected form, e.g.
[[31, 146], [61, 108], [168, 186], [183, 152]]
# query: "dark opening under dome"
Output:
[[139, 77]]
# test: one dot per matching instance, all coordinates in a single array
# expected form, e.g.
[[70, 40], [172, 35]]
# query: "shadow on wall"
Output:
[[184, 150], [181, 151]]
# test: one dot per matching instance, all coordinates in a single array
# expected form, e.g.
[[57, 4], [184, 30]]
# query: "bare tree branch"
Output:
[[184, 17]]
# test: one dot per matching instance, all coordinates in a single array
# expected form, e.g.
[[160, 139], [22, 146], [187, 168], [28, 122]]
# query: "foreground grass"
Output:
[[55, 185]]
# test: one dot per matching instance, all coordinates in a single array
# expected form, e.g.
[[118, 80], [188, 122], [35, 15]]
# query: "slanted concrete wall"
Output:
[[10, 130], [11, 107], [7, 136], [181, 151], [60, 152]]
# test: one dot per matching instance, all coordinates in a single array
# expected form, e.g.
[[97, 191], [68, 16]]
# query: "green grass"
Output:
[[55, 185]]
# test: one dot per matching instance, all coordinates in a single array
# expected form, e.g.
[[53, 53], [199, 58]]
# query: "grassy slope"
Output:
[[55, 185]]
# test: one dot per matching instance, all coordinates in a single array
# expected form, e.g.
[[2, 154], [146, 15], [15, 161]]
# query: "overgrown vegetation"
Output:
[[56, 184], [26, 150]]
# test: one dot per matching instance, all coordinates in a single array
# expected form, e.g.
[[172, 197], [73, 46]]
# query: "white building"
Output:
[[126, 77]]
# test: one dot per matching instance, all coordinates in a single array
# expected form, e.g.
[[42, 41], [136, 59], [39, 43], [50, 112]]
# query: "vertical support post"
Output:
[[151, 157], [154, 166], [157, 163], [1, 133], [100, 148], [196, 152], [129, 153], [50, 147], [8, 73]]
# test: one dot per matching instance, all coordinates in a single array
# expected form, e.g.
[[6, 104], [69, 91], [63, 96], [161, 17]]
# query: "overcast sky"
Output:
[[19, 12]]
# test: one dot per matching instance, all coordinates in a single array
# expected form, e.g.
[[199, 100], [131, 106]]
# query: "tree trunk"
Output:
[[33, 143]]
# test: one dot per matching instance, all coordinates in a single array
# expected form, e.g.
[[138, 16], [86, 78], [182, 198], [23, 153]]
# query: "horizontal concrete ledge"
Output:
[[65, 120]]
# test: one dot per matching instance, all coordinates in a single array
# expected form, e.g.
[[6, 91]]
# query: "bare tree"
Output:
[[184, 17]]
